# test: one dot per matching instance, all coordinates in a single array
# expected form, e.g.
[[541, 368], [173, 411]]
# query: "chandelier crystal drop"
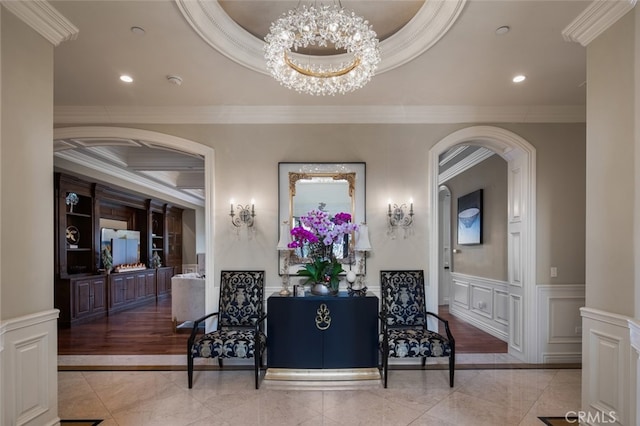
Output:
[[322, 26]]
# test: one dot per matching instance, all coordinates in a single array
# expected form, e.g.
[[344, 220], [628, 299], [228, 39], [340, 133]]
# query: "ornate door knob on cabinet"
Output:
[[323, 318]]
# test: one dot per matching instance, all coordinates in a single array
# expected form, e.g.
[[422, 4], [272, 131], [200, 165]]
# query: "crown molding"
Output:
[[468, 162], [211, 22], [596, 19], [44, 19], [270, 114]]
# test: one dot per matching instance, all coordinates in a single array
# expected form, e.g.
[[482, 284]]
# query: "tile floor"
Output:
[[498, 397]]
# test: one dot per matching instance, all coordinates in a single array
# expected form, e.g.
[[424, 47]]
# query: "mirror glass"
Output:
[[332, 187]]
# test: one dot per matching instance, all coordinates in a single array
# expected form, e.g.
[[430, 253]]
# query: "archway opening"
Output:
[[520, 296]]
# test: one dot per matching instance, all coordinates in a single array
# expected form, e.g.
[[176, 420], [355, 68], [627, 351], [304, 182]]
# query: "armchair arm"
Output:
[[259, 321], [196, 326], [446, 326]]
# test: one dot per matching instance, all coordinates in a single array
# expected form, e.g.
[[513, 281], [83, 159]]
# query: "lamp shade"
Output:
[[285, 237], [362, 240]]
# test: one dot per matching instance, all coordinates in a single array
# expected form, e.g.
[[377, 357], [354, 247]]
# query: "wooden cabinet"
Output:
[[174, 236], [163, 281], [332, 332], [75, 232], [130, 289], [81, 299], [81, 292], [90, 296]]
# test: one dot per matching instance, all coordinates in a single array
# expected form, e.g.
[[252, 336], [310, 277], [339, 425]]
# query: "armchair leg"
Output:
[[385, 368], [256, 369], [219, 362], [424, 361], [189, 367], [452, 367]]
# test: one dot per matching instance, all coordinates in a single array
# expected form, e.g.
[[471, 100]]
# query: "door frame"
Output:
[[126, 134], [521, 159], [445, 257]]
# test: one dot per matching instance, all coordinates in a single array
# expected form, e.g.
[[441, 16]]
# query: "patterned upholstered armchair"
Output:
[[240, 323], [403, 320]]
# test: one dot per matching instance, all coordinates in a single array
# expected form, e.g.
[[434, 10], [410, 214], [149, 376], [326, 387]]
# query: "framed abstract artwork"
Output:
[[470, 218]]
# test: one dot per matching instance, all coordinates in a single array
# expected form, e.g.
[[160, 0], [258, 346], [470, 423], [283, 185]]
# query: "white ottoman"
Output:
[[187, 299]]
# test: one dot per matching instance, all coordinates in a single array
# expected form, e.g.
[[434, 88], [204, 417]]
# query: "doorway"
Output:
[[521, 169], [116, 135]]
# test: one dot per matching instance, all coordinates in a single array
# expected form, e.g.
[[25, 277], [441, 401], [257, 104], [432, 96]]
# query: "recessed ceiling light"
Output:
[[519, 78], [502, 30], [126, 78], [137, 30]]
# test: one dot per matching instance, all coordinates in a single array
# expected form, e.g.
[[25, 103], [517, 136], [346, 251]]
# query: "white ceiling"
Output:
[[469, 68]]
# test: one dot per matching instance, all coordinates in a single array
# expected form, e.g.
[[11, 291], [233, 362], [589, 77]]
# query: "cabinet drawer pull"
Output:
[[323, 320]]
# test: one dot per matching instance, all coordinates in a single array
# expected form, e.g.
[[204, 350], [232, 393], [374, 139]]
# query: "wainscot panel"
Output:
[[481, 302], [607, 382], [28, 349]]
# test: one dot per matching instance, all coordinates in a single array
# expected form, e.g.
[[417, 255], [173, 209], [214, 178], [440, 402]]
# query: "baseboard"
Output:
[[562, 358]]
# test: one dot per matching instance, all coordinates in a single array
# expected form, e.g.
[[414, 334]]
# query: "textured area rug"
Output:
[[559, 421], [80, 422]]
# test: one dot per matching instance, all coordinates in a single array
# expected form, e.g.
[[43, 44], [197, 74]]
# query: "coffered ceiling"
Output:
[[448, 64]]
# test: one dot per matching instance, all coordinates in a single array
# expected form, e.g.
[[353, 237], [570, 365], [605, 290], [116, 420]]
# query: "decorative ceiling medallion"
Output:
[[213, 24]]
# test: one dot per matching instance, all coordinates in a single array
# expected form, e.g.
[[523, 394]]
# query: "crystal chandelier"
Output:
[[322, 26]]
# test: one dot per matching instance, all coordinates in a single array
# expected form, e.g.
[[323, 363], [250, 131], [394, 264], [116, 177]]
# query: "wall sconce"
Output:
[[399, 217], [245, 216], [363, 246], [283, 247]]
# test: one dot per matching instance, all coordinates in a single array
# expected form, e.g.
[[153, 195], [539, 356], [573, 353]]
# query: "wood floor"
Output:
[[149, 331]]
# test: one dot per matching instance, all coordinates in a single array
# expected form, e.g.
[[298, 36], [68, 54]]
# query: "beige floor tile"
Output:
[[461, 409], [76, 399], [414, 397]]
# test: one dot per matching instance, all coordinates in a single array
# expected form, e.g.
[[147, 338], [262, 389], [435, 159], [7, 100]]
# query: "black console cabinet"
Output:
[[329, 332]]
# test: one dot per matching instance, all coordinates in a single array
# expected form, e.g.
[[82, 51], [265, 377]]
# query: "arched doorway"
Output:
[[175, 143], [521, 158]]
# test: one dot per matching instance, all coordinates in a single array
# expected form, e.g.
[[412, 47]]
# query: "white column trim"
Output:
[[42, 17], [606, 317], [596, 19]]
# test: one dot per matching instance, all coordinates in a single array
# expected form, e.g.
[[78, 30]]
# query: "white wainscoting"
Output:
[[28, 349], [482, 302], [559, 322], [608, 385]]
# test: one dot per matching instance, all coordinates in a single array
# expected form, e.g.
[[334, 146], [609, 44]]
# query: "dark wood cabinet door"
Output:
[[293, 339], [351, 340], [117, 291], [150, 283], [163, 278], [88, 297], [82, 297], [130, 287], [99, 293]]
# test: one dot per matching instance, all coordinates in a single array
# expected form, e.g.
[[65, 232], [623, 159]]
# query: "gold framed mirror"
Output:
[[332, 187]]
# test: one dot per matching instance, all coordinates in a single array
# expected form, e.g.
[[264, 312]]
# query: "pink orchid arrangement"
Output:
[[320, 232]]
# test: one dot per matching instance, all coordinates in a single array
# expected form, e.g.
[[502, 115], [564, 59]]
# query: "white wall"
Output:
[[611, 170], [610, 374], [27, 321], [247, 158]]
